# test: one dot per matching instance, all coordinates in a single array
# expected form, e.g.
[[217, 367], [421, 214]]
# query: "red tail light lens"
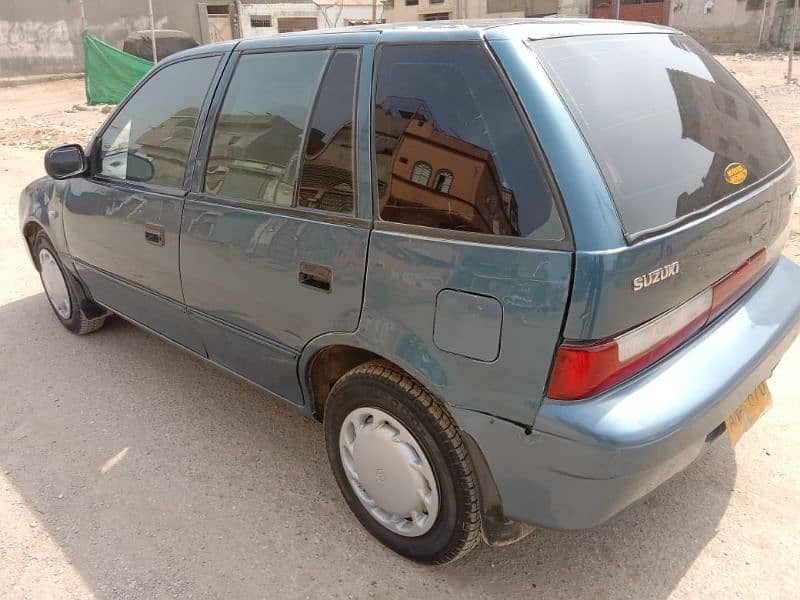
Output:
[[730, 288], [581, 370]]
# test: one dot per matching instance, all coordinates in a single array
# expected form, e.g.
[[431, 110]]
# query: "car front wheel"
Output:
[[66, 296], [401, 464]]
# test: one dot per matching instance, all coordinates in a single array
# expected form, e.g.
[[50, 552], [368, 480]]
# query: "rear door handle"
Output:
[[154, 234], [315, 276]]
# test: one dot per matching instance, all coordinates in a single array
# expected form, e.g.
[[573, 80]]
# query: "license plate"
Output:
[[756, 404]]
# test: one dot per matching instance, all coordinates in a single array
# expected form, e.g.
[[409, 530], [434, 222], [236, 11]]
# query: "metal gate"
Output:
[[648, 11]]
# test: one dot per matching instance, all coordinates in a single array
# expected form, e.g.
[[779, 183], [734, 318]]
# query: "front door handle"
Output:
[[315, 276], [154, 234]]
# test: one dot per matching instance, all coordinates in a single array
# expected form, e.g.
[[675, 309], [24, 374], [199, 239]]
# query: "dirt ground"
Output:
[[128, 469]]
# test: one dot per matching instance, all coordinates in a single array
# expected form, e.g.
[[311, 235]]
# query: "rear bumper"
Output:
[[585, 461]]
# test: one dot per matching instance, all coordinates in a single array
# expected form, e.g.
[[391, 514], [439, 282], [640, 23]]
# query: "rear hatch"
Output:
[[701, 180]]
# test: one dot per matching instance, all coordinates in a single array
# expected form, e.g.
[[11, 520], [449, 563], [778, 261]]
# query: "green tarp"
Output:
[[110, 73]]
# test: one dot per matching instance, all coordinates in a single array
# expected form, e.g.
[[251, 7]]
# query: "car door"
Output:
[[122, 222], [273, 251]]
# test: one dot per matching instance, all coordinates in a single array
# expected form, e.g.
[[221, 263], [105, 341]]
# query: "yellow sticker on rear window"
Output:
[[735, 173]]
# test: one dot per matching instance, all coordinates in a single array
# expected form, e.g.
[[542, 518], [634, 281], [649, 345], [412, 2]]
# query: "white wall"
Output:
[[276, 11], [728, 25]]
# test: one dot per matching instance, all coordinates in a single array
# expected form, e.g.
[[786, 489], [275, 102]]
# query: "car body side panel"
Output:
[[405, 273], [41, 203], [240, 269]]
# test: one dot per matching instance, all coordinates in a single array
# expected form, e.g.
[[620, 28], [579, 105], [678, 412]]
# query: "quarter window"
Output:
[[148, 141], [444, 109], [326, 180], [256, 145]]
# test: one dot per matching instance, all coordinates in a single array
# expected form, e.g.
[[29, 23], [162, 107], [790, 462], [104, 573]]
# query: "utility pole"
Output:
[[152, 30], [791, 42], [374, 11], [83, 18]]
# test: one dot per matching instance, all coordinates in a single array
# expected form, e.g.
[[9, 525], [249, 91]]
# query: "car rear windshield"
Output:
[[668, 125]]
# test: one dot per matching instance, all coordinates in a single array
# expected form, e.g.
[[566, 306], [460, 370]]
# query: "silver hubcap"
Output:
[[54, 285], [389, 472]]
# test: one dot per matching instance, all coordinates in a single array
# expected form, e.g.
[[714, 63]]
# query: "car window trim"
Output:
[[96, 142], [196, 192], [310, 214], [566, 243], [353, 130]]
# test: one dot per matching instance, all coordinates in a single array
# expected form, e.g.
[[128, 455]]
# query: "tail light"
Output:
[[581, 370]]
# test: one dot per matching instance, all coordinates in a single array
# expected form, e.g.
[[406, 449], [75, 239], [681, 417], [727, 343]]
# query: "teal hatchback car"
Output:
[[523, 272]]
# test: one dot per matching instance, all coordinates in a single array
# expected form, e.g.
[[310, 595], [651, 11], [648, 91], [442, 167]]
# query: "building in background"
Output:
[[42, 37], [432, 10], [720, 25], [260, 18]]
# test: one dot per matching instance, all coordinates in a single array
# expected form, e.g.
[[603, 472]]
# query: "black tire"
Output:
[[85, 316], [379, 384]]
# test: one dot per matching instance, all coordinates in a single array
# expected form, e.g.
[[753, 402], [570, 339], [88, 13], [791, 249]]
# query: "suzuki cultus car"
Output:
[[522, 272]]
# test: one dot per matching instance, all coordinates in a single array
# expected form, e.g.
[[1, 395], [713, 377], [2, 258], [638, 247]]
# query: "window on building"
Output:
[[421, 173], [412, 2], [148, 141], [436, 17], [436, 1], [217, 9], [754, 4], [255, 149], [531, 8], [388, 4], [326, 180], [442, 181], [496, 6], [444, 109], [257, 21]]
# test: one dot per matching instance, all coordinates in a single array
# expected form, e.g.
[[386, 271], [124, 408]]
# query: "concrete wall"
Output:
[[40, 37], [727, 26], [331, 18]]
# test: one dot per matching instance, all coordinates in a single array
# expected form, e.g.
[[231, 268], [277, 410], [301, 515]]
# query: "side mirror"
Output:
[[140, 169], [66, 161]]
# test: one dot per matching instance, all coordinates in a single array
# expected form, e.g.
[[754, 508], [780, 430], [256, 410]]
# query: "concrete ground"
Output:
[[128, 469]]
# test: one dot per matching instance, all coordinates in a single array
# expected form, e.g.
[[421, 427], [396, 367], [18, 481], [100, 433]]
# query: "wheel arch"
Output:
[[41, 205], [322, 366], [30, 230]]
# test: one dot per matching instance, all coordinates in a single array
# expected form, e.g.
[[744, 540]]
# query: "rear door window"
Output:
[[451, 151], [669, 127], [326, 178], [257, 140]]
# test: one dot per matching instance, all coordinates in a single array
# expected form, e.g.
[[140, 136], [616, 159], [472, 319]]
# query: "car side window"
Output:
[[326, 179], [148, 141], [450, 149], [257, 140]]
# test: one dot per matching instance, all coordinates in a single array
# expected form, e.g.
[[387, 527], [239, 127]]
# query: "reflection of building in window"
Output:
[[254, 157], [714, 118], [327, 180], [467, 193], [165, 145], [421, 173], [443, 180]]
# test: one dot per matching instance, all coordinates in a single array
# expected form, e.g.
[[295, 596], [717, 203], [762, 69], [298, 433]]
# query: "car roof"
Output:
[[429, 31]]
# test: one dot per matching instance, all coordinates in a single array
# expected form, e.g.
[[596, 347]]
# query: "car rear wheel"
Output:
[[401, 464], [66, 296]]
